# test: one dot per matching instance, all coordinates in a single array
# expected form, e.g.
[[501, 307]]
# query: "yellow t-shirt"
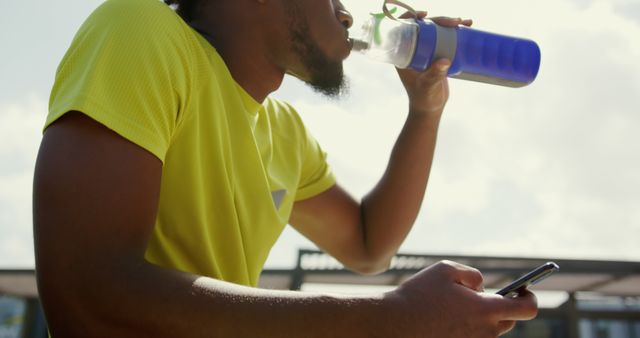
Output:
[[232, 167]]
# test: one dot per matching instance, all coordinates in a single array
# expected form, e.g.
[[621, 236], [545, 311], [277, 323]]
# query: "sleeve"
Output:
[[127, 70], [316, 174]]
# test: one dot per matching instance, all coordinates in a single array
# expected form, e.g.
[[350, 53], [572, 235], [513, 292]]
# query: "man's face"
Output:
[[320, 44]]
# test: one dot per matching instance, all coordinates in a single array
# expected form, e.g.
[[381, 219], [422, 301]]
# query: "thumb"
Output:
[[523, 307], [439, 68], [436, 72]]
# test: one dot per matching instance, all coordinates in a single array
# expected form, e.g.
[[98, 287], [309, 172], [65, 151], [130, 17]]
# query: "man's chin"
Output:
[[333, 88], [329, 80]]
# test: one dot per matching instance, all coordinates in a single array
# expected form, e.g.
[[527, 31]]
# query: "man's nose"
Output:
[[344, 17]]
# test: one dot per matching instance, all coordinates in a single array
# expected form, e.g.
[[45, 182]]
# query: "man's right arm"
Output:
[[95, 203]]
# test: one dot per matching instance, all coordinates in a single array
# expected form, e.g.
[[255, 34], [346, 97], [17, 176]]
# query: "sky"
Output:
[[548, 170]]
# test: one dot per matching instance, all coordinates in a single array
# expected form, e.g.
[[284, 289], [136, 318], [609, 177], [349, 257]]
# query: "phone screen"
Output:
[[533, 277]]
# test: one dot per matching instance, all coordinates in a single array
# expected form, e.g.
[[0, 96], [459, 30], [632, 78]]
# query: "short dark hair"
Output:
[[185, 8]]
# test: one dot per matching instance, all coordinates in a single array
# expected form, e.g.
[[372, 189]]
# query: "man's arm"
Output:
[[365, 236], [95, 200]]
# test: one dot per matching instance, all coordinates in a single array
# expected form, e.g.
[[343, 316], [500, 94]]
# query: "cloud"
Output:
[[629, 9], [20, 127], [32, 52]]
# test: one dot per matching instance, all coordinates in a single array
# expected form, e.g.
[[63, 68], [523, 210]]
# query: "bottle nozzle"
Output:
[[358, 45]]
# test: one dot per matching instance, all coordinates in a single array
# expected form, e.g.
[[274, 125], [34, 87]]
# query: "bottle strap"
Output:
[[389, 14]]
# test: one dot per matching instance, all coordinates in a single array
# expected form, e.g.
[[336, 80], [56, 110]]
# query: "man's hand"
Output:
[[446, 300], [428, 91]]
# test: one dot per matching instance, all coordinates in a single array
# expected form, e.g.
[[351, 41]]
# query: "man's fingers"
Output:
[[472, 279], [523, 307], [465, 275], [451, 22], [411, 15], [440, 20], [505, 326]]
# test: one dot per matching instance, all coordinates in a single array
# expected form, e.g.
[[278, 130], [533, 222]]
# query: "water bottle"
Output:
[[475, 55]]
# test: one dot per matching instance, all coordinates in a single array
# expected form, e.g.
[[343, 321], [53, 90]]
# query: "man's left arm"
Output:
[[364, 236]]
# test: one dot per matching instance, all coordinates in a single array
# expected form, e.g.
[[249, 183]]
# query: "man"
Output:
[[166, 173]]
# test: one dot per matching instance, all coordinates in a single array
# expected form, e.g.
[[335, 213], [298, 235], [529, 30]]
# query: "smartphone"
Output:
[[531, 278]]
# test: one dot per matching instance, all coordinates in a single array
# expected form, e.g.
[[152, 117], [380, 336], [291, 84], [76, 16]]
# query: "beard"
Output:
[[324, 75]]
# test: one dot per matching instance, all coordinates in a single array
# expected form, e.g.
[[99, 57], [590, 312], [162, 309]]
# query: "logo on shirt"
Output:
[[278, 196]]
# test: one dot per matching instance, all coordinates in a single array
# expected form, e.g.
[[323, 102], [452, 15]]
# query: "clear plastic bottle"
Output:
[[475, 55]]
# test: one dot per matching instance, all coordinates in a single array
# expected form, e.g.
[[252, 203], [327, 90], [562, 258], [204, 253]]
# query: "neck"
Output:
[[244, 51]]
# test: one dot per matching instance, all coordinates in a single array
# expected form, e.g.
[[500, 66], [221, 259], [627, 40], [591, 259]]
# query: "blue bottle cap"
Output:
[[425, 45]]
